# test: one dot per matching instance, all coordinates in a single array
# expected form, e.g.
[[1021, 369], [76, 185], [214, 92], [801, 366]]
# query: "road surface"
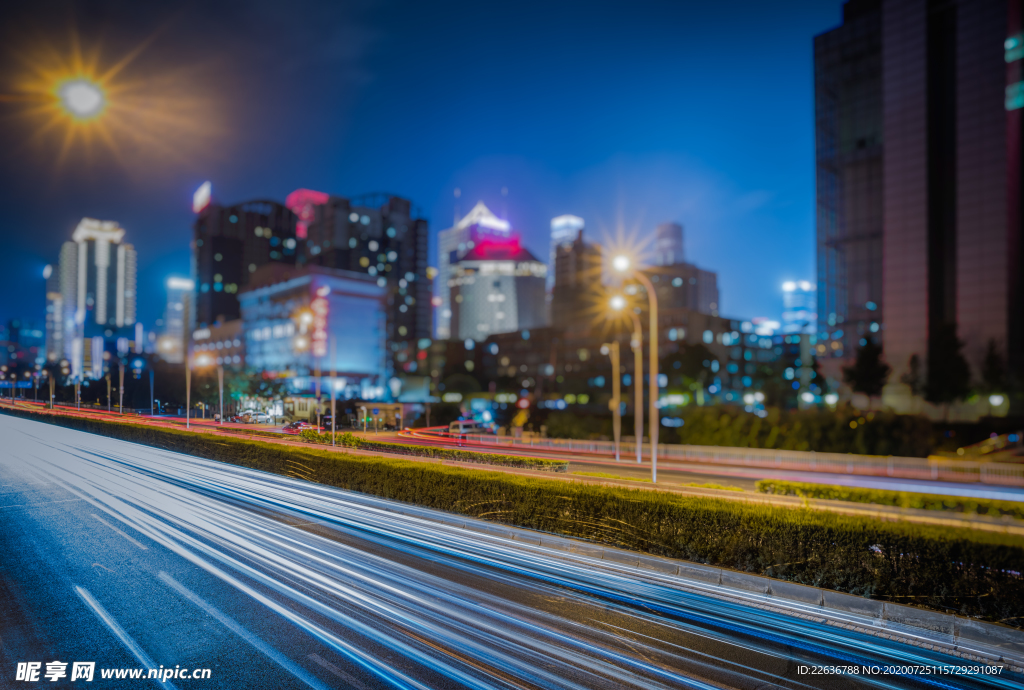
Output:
[[135, 558]]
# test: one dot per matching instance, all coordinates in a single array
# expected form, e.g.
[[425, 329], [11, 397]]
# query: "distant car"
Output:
[[464, 428], [298, 427], [260, 418]]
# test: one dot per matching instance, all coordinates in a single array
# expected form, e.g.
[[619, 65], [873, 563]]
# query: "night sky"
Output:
[[627, 114]]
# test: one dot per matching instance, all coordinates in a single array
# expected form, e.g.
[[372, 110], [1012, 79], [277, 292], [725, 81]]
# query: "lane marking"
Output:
[[235, 627], [351, 680], [132, 540], [44, 503], [120, 633]]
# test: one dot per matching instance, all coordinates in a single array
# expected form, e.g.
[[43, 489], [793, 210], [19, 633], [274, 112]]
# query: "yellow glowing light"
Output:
[[617, 302], [81, 98], [621, 263], [72, 100]]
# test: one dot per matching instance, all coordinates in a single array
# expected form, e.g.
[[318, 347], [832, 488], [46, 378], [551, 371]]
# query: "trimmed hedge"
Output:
[[971, 572], [350, 440], [902, 499]]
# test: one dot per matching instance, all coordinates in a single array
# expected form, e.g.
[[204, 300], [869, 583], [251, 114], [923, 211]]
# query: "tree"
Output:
[[993, 370], [868, 373], [913, 377], [949, 377]]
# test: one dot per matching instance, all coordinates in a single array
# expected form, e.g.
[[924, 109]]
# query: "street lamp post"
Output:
[[120, 388], [622, 264], [107, 377], [636, 343], [334, 388], [220, 386], [612, 350]]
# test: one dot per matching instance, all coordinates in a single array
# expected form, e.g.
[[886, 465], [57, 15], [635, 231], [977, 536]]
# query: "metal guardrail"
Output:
[[1008, 474]]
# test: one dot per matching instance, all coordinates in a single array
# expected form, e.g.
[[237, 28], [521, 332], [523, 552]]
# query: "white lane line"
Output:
[[349, 679], [235, 627], [134, 541], [44, 503], [119, 632]]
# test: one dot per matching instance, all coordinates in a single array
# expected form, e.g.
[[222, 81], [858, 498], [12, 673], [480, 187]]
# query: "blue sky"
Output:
[[627, 114]]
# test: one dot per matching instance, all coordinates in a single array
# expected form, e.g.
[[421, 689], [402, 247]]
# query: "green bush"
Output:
[[824, 431], [971, 572], [350, 440], [902, 499]]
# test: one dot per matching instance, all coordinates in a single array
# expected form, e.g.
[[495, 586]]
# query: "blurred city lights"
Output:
[[621, 263], [617, 302]]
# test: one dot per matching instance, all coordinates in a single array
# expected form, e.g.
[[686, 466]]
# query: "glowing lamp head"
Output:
[[203, 361], [82, 98], [621, 263], [995, 400], [618, 302]]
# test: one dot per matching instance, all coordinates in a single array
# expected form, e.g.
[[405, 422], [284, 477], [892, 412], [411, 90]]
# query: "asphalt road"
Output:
[[133, 557]]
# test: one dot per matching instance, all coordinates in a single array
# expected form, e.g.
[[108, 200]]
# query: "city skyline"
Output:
[[719, 185]]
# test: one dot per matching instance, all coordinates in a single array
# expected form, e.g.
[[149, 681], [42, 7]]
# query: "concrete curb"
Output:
[[959, 636]]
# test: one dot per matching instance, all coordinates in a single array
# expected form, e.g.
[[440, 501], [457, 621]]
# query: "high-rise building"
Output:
[[680, 285], [668, 244], [229, 244], [97, 282], [378, 235], [848, 121], [685, 286], [453, 243], [54, 315], [953, 224], [798, 304], [922, 101], [577, 270], [172, 343], [564, 231], [498, 286]]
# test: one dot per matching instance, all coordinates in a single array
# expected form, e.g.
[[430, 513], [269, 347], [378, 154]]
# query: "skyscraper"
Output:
[[172, 343], [680, 285], [497, 286], [848, 121], [229, 244], [97, 282], [919, 130], [798, 303], [54, 315], [564, 230], [453, 243], [952, 170], [375, 234], [668, 244], [577, 270]]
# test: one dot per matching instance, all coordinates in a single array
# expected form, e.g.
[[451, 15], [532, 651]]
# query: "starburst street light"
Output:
[[625, 266], [82, 98]]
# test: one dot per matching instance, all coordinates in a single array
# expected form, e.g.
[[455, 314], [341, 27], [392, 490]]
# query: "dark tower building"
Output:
[[922, 100], [848, 143], [577, 270], [375, 234], [230, 243]]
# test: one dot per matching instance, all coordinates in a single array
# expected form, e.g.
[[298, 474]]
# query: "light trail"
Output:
[[404, 600]]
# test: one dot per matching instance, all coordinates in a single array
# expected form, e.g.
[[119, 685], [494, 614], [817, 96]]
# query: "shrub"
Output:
[[352, 441], [903, 499], [973, 573], [824, 431]]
